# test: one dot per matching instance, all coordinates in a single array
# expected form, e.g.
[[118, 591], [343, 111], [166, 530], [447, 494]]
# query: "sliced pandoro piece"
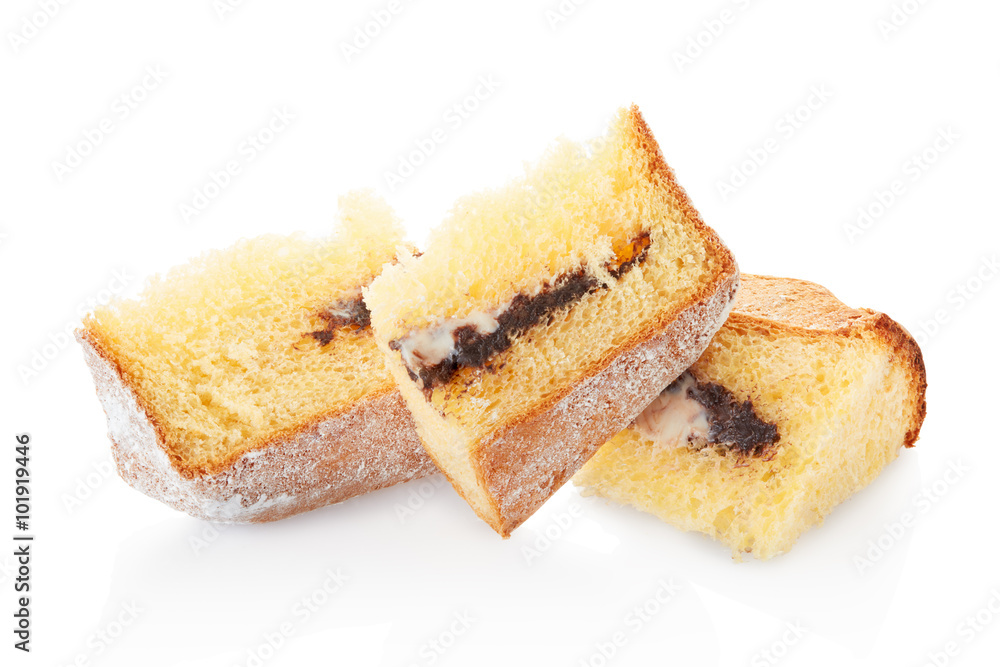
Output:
[[544, 315], [246, 385], [798, 402]]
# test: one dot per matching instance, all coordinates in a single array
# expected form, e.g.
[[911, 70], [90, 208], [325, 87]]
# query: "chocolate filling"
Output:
[[345, 313], [628, 255], [473, 349], [732, 424]]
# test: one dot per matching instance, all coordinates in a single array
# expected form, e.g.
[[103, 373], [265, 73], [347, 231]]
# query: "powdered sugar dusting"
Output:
[[528, 462], [372, 446]]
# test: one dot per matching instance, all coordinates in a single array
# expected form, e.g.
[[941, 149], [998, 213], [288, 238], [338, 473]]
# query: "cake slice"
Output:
[[544, 315], [246, 385], [798, 402]]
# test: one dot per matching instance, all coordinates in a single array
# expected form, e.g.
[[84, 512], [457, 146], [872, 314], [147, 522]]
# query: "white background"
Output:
[[102, 548]]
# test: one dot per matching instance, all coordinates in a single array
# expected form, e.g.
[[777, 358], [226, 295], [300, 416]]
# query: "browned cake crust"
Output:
[[528, 461], [798, 403], [775, 305], [370, 446]]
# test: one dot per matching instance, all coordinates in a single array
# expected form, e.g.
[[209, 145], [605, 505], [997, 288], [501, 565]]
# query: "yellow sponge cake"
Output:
[[798, 402], [545, 314], [247, 386]]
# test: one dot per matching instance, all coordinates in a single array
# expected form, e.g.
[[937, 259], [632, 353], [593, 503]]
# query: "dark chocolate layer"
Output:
[[351, 313], [732, 424], [474, 349], [634, 252]]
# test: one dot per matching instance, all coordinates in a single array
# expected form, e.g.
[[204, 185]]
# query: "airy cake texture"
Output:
[[543, 315], [246, 385], [798, 402]]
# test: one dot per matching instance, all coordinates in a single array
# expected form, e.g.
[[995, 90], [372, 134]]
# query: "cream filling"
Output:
[[346, 307], [673, 419], [432, 345]]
